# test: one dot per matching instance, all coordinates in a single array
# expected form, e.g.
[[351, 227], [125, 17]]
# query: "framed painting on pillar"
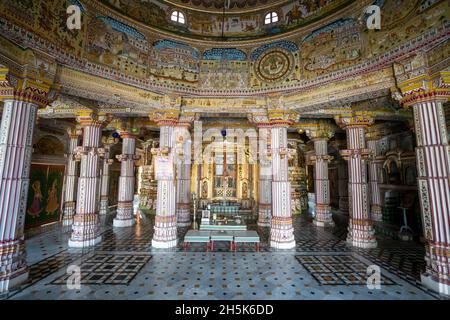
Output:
[[44, 195]]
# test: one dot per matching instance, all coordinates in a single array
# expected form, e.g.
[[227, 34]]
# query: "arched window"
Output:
[[178, 16], [271, 17]]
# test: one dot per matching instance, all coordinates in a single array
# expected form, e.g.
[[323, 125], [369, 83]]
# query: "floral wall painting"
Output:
[[44, 195]]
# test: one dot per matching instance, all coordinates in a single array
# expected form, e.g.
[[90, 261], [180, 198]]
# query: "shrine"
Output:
[[210, 149]]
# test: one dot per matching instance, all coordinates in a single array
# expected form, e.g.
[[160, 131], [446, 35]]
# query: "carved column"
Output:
[[106, 163], [125, 216], [85, 231], [320, 138], [265, 178], [70, 190], [282, 230], [16, 134], [165, 235], [343, 186], [374, 176], [183, 171], [427, 95], [360, 230]]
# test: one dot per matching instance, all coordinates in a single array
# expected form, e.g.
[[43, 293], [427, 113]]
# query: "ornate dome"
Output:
[[229, 4], [239, 20]]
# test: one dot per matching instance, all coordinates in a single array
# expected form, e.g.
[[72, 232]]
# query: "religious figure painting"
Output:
[[44, 195]]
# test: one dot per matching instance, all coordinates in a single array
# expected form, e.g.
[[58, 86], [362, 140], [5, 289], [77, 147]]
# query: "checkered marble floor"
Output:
[[124, 266]]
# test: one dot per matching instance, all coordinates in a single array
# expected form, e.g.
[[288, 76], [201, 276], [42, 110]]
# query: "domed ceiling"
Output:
[[238, 20], [228, 4]]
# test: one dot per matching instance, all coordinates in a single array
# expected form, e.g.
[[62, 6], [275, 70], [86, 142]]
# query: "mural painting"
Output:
[[44, 195], [117, 45], [233, 26], [331, 47], [48, 20], [174, 61]]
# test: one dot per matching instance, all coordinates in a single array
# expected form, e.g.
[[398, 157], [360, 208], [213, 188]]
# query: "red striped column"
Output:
[[320, 137], [70, 190], [125, 216], [375, 166], [433, 166], [165, 235], [85, 231], [183, 153], [360, 230], [281, 228]]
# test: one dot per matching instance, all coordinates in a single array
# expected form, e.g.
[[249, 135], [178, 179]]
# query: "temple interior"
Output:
[[210, 149]]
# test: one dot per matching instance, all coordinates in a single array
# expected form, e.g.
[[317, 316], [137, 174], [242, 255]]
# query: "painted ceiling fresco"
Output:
[[233, 26], [219, 4], [112, 47]]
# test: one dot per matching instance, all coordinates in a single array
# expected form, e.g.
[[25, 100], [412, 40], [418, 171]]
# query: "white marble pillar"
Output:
[[265, 179], [428, 95], [183, 173], [104, 188], [374, 177], [360, 230], [70, 189], [343, 186], [165, 235], [16, 134], [125, 216], [85, 229], [282, 230], [321, 158], [433, 166]]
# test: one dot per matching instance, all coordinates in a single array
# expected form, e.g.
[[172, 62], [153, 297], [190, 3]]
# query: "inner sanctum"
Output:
[[224, 150]]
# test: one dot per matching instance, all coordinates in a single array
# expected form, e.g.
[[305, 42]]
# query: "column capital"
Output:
[[166, 117], [355, 119], [186, 119], [91, 118], [282, 118], [373, 134], [126, 157], [416, 85], [74, 132], [322, 131], [32, 85], [108, 141]]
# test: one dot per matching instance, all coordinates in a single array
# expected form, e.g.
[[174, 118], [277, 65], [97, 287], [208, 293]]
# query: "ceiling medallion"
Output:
[[274, 65]]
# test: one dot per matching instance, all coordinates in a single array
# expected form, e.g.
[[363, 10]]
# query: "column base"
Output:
[[164, 244], [263, 224], [376, 213], [84, 243], [104, 207], [361, 234], [283, 245], [67, 222], [363, 244], [9, 283], [119, 223], [69, 212], [323, 224], [183, 215], [439, 287], [264, 215]]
